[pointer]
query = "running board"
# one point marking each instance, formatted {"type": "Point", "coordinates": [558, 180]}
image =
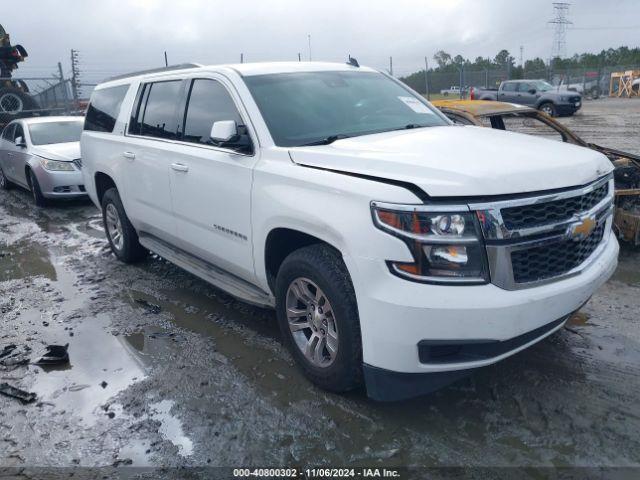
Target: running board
{"type": "Point", "coordinates": [208, 272]}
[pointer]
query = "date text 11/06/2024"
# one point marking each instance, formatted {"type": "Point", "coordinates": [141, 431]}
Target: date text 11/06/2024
{"type": "Point", "coordinates": [316, 473]}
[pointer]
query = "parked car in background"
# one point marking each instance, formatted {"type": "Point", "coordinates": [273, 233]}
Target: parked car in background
{"type": "Point", "coordinates": [43, 155]}
{"type": "Point", "coordinates": [534, 93]}
{"type": "Point", "coordinates": [517, 118]}
{"type": "Point", "coordinates": [453, 90]}
{"type": "Point", "coordinates": [399, 251]}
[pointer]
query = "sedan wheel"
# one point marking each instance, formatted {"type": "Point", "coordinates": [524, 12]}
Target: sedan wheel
{"type": "Point", "coordinates": [312, 322]}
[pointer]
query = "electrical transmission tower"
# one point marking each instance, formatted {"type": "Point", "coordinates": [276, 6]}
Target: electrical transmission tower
{"type": "Point", "coordinates": [561, 24]}
{"type": "Point", "coordinates": [75, 74]}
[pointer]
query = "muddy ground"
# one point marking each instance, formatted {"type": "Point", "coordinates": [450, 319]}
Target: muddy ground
{"type": "Point", "coordinates": [167, 371]}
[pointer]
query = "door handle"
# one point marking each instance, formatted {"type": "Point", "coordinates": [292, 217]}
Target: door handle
{"type": "Point", "coordinates": [179, 167]}
{"type": "Point", "coordinates": [129, 155]}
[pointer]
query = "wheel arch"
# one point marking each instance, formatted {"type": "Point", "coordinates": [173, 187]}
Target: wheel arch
{"type": "Point", "coordinates": [103, 182]}
{"type": "Point", "coordinates": [281, 242]}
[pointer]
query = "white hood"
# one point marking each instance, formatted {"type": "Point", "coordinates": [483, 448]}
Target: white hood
{"type": "Point", "coordinates": [58, 151]}
{"type": "Point", "coordinates": [461, 161]}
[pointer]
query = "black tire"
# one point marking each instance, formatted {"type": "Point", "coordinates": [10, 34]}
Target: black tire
{"type": "Point", "coordinates": [324, 266]}
{"type": "Point", "coordinates": [36, 192]}
{"type": "Point", "coordinates": [14, 103]}
{"type": "Point", "coordinates": [548, 108]}
{"type": "Point", "coordinates": [131, 251]}
{"type": "Point", "coordinates": [5, 184]}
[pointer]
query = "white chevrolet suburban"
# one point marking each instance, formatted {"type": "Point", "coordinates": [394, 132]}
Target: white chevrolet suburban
{"type": "Point", "coordinates": [400, 251]}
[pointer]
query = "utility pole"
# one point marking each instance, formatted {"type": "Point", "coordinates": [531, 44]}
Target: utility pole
{"type": "Point", "coordinates": [309, 40]}
{"type": "Point", "coordinates": [391, 66]}
{"type": "Point", "coordinates": [242, 58]}
{"type": "Point", "coordinates": [299, 57]}
{"type": "Point", "coordinates": [522, 56]}
{"type": "Point", "coordinates": [560, 23]}
{"type": "Point", "coordinates": [166, 59]}
{"type": "Point", "coordinates": [426, 77]}
{"type": "Point", "coordinates": [75, 75]}
{"type": "Point", "coordinates": [64, 89]}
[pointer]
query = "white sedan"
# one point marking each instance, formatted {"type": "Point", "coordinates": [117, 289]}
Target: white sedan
{"type": "Point", "coordinates": [43, 155]}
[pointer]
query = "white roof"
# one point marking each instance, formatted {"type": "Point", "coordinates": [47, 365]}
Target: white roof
{"type": "Point", "coordinates": [244, 69]}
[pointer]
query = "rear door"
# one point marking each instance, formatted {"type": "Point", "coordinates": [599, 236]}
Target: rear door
{"type": "Point", "coordinates": [149, 152]}
{"type": "Point", "coordinates": [211, 183]}
{"type": "Point", "coordinates": [508, 92]}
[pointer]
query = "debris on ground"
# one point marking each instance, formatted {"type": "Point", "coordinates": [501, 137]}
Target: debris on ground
{"type": "Point", "coordinates": [15, 392]}
{"type": "Point", "coordinates": [148, 306]}
{"type": "Point", "coordinates": [54, 355]}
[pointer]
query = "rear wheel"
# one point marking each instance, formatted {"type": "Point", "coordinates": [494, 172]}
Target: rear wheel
{"type": "Point", "coordinates": [318, 316]}
{"type": "Point", "coordinates": [121, 235]}
{"type": "Point", "coordinates": [36, 192]}
{"type": "Point", "coordinates": [5, 184]}
{"type": "Point", "coordinates": [548, 108]}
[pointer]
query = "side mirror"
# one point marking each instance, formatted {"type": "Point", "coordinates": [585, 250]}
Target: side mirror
{"type": "Point", "coordinates": [224, 131]}
{"type": "Point", "coordinates": [19, 141]}
{"type": "Point", "coordinates": [532, 91]}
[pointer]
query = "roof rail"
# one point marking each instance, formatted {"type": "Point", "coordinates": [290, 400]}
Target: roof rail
{"type": "Point", "coordinates": [181, 66]}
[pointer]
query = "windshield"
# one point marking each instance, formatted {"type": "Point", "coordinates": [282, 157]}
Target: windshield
{"type": "Point", "coordinates": [543, 86]}
{"type": "Point", "coordinates": [319, 107]}
{"type": "Point", "coordinates": [55, 132]}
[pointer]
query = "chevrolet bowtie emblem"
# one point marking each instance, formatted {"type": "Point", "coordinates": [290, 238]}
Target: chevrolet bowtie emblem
{"type": "Point", "coordinates": [583, 228]}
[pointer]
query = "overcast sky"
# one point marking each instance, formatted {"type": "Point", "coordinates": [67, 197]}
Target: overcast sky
{"type": "Point", "coordinates": [115, 36]}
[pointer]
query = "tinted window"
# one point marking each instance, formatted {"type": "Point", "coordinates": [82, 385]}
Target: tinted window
{"type": "Point", "coordinates": [209, 102]}
{"type": "Point", "coordinates": [19, 132]}
{"type": "Point", "coordinates": [159, 117]}
{"type": "Point", "coordinates": [7, 133]}
{"type": "Point", "coordinates": [509, 87]}
{"type": "Point", "coordinates": [525, 87]}
{"type": "Point", "coordinates": [55, 132]}
{"type": "Point", "coordinates": [308, 108]}
{"type": "Point", "coordinates": [104, 108]}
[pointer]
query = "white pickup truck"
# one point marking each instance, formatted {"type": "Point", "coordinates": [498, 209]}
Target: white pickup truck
{"type": "Point", "coordinates": [399, 251]}
{"type": "Point", "coordinates": [452, 90]}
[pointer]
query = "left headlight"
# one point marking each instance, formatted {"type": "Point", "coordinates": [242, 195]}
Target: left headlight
{"type": "Point", "coordinates": [446, 244]}
{"type": "Point", "coordinates": [56, 166]}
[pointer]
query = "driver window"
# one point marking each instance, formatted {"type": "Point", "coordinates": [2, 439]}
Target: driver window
{"type": "Point", "coordinates": [525, 87]}
{"type": "Point", "coordinates": [530, 126]}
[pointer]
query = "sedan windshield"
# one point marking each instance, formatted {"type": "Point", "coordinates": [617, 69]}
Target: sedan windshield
{"type": "Point", "coordinates": [47, 133]}
{"type": "Point", "coordinates": [314, 108]}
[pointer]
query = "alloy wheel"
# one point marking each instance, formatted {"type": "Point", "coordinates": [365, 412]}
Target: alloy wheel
{"type": "Point", "coordinates": [312, 322]}
{"type": "Point", "coordinates": [114, 226]}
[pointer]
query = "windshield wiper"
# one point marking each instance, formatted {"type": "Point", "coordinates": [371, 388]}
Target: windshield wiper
{"type": "Point", "coordinates": [327, 140]}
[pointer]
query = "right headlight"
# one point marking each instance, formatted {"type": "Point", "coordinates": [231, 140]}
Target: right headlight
{"type": "Point", "coordinates": [446, 243]}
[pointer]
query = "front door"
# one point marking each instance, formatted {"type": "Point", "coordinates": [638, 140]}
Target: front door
{"type": "Point", "coordinates": [525, 97]}
{"type": "Point", "coordinates": [211, 183]}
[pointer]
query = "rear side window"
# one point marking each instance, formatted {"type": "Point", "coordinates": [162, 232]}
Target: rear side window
{"type": "Point", "coordinates": [209, 102]}
{"type": "Point", "coordinates": [509, 87]}
{"type": "Point", "coordinates": [104, 108]}
{"type": "Point", "coordinates": [155, 114]}
{"type": "Point", "coordinates": [7, 133]}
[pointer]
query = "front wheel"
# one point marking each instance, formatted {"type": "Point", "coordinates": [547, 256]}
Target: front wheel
{"type": "Point", "coordinates": [5, 184]}
{"type": "Point", "coordinates": [549, 109]}
{"type": "Point", "coordinates": [36, 192]}
{"type": "Point", "coordinates": [318, 316]}
{"type": "Point", "coordinates": [121, 235]}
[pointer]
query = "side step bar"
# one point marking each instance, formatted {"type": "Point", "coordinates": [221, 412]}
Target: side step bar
{"type": "Point", "coordinates": [216, 276]}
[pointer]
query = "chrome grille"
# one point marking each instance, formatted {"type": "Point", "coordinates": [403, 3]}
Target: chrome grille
{"type": "Point", "coordinates": [527, 216]}
{"type": "Point", "coordinates": [543, 238]}
{"type": "Point", "coordinates": [78, 163]}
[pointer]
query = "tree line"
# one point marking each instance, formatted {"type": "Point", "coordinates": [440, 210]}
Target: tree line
{"type": "Point", "coordinates": [505, 62]}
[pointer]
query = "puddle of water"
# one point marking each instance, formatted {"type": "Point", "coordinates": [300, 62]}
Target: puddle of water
{"type": "Point", "coordinates": [25, 259]}
{"type": "Point", "coordinates": [171, 427]}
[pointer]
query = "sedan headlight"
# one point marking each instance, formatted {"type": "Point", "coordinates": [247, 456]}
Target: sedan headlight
{"type": "Point", "coordinates": [56, 166]}
{"type": "Point", "coordinates": [447, 246]}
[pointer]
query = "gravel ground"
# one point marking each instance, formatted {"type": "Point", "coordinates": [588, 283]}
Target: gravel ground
{"type": "Point", "coordinates": [167, 371]}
